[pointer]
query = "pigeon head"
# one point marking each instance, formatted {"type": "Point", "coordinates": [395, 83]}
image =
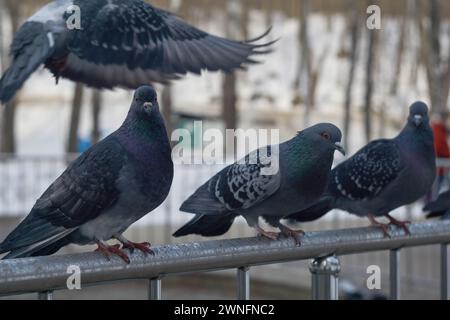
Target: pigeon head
{"type": "Point", "coordinates": [325, 134]}
{"type": "Point", "coordinates": [145, 100]}
{"type": "Point", "coordinates": [418, 114]}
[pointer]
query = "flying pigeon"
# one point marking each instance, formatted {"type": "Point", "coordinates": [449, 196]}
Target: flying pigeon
{"type": "Point", "coordinates": [118, 43]}
{"type": "Point", "coordinates": [246, 189]}
{"type": "Point", "coordinates": [108, 188]}
{"type": "Point", "coordinates": [383, 176]}
{"type": "Point", "coordinates": [440, 207]}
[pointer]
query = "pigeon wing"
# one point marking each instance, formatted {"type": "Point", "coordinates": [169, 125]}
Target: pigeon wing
{"type": "Point", "coordinates": [127, 43]}
{"type": "Point", "coordinates": [245, 184]}
{"type": "Point", "coordinates": [237, 187]}
{"type": "Point", "coordinates": [85, 190]}
{"type": "Point", "coordinates": [367, 173]}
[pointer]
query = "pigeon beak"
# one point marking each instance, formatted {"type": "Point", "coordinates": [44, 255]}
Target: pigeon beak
{"type": "Point", "coordinates": [148, 105]}
{"type": "Point", "coordinates": [418, 120]}
{"type": "Point", "coordinates": [338, 146]}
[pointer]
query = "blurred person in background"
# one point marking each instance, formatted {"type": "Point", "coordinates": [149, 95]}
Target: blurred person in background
{"type": "Point", "coordinates": [440, 131]}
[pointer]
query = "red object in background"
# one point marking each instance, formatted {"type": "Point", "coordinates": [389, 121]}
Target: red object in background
{"type": "Point", "coordinates": [440, 143]}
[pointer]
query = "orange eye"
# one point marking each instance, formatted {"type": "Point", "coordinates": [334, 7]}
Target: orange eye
{"type": "Point", "coordinates": [326, 135]}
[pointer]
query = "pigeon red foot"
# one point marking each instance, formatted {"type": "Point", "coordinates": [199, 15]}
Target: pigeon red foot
{"type": "Point", "coordinates": [400, 224]}
{"type": "Point", "coordinates": [144, 247]}
{"type": "Point", "coordinates": [108, 251]}
{"type": "Point", "coordinates": [382, 226]}
{"type": "Point", "coordinates": [294, 234]}
{"type": "Point", "coordinates": [267, 234]}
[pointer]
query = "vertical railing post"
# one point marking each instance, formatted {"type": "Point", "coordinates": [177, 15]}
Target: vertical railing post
{"type": "Point", "coordinates": [325, 278]}
{"type": "Point", "coordinates": [445, 264]}
{"type": "Point", "coordinates": [243, 283]}
{"type": "Point", "coordinates": [45, 295]}
{"type": "Point", "coordinates": [155, 289]}
{"type": "Point", "coordinates": [394, 274]}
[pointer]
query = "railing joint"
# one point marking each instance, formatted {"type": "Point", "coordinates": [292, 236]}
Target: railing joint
{"type": "Point", "coordinates": [445, 277]}
{"type": "Point", "coordinates": [45, 295]}
{"type": "Point", "coordinates": [243, 283]}
{"type": "Point", "coordinates": [394, 273]}
{"type": "Point", "coordinates": [155, 291]}
{"type": "Point", "coordinates": [325, 278]}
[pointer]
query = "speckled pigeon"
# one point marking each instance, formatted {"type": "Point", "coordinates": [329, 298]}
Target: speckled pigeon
{"type": "Point", "coordinates": [383, 176]}
{"type": "Point", "coordinates": [118, 43]}
{"type": "Point", "coordinates": [440, 207]}
{"type": "Point", "coordinates": [104, 191]}
{"type": "Point", "coordinates": [245, 189]}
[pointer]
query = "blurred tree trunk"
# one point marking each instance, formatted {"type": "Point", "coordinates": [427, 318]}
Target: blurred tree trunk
{"type": "Point", "coordinates": [438, 69]}
{"type": "Point", "coordinates": [3, 48]}
{"type": "Point", "coordinates": [7, 137]}
{"type": "Point", "coordinates": [167, 108]}
{"type": "Point", "coordinates": [399, 56]}
{"type": "Point", "coordinates": [416, 39]}
{"type": "Point", "coordinates": [229, 94]}
{"type": "Point", "coordinates": [315, 75]}
{"type": "Point", "coordinates": [303, 79]}
{"type": "Point", "coordinates": [178, 7]}
{"type": "Point", "coordinates": [370, 66]}
{"type": "Point", "coordinates": [96, 111]}
{"type": "Point", "coordinates": [72, 144]}
{"type": "Point", "coordinates": [354, 34]}
{"type": "Point", "coordinates": [382, 120]}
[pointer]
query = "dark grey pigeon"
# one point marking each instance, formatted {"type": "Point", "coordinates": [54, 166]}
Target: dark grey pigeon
{"type": "Point", "coordinates": [245, 189]}
{"type": "Point", "coordinates": [108, 188]}
{"type": "Point", "coordinates": [440, 207]}
{"type": "Point", "coordinates": [119, 43]}
{"type": "Point", "coordinates": [383, 176]}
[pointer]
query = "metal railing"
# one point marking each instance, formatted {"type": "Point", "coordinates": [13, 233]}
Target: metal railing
{"type": "Point", "coordinates": [46, 274]}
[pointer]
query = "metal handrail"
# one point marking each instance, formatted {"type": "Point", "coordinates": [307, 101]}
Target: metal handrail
{"type": "Point", "coordinates": [45, 274]}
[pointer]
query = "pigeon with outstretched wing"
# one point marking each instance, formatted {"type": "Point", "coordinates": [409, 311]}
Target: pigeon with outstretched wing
{"type": "Point", "coordinates": [118, 43]}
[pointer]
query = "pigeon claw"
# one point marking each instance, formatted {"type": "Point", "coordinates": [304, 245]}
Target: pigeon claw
{"type": "Point", "coordinates": [294, 234]}
{"type": "Point", "coordinates": [385, 229]}
{"type": "Point", "coordinates": [382, 226]}
{"type": "Point", "coordinates": [144, 247]}
{"type": "Point", "coordinates": [108, 251]}
{"type": "Point", "coordinates": [267, 234]}
{"type": "Point", "coordinates": [400, 224]}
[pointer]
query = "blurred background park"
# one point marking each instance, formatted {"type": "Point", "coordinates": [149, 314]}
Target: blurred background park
{"type": "Point", "coordinates": [326, 67]}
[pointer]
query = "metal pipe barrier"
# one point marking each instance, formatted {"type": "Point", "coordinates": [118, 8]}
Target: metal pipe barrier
{"type": "Point", "coordinates": [46, 274]}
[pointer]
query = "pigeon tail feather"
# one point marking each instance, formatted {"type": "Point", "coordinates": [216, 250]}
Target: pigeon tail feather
{"type": "Point", "coordinates": [439, 207]}
{"type": "Point", "coordinates": [32, 231]}
{"type": "Point", "coordinates": [201, 202]}
{"type": "Point", "coordinates": [437, 214]}
{"type": "Point", "coordinates": [45, 247]}
{"type": "Point", "coordinates": [314, 212]}
{"type": "Point", "coordinates": [207, 226]}
{"type": "Point", "coordinates": [31, 48]}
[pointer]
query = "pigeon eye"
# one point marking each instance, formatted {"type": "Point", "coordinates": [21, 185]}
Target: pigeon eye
{"type": "Point", "coordinates": [326, 135]}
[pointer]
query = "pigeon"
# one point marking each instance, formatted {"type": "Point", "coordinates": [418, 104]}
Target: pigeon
{"type": "Point", "coordinates": [440, 207]}
{"type": "Point", "coordinates": [104, 191]}
{"type": "Point", "coordinates": [118, 43]}
{"type": "Point", "coordinates": [382, 176]}
{"type": "Point", "coordinates": [246, 188]}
